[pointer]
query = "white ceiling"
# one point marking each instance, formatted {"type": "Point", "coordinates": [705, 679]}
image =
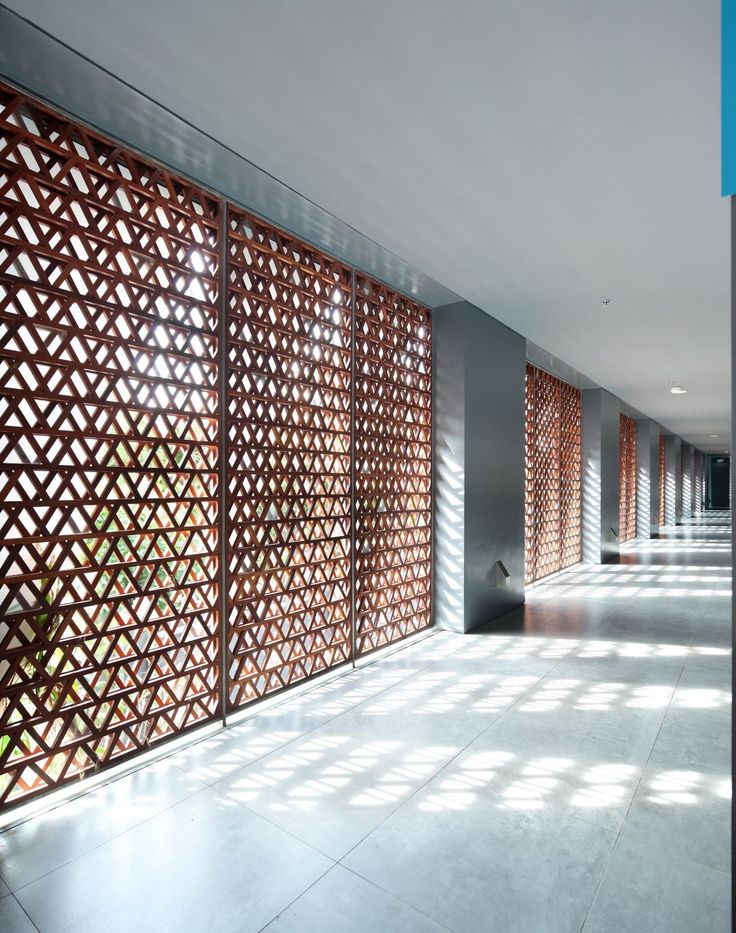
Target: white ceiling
{"type": "Point", "coordinates": [533, 156]}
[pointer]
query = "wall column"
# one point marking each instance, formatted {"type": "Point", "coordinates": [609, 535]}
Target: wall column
{"type": "Point", "coordinates": [479, 377]}
{"type": "Point", "coordinates": [688, 480]}
{"type": "Point", "coordinates": [672, 485]}
{"type": "Point", "coordinates": [647, 478]}
{"type": "Point", "coordinates": [600, 475]}
{"type": "Point", "coordinates": [698, 480]}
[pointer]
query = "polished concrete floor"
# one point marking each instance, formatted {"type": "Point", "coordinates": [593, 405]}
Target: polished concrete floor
{"type": "Point", "coordinates": [570, 771]}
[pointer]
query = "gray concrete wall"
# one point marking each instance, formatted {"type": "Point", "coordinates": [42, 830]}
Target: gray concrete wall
{"type": "Point", "coordinates": [672, 487]}
{"type": "Point", "coordinates": [600, 442]}
{"type": "Point", "coordinates": [449, 469]}
{"type": "Point", "coordinates": [647, 478]}
{"type": "Point", "coordinates": [678, 479]}
{"type": "Point", "coordinates": [479, 467]}
{"type": "Point", "coordinates": [698, 477]}
{"type": "Point", "coordinates": [687, 479]}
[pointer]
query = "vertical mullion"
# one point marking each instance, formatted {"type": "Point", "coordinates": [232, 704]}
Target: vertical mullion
{"type": "Point", "coordinates": [223, 436]}
{"type": "Point", "coordinates": [353, 458]}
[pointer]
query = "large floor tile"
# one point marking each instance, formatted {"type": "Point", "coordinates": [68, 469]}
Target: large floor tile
{"type": "Point", "coordinates": [553, 779]}
{"type": "Point", "coordinates": [206, 864]}
{"type": "Point", "coordinates": [604, 660]}
{"type": "Point", "coordinates": [342, 902]}
{"type": "Point", "coordinates": [691, 742]}
{"type": "Point", "coordinates": [482, 865]}
{"type": "Point", "coordinates": [589, 725]}
{"type": "Point", "coordinates": [275, 727]}
{"type": "Point", "coordinates": [13, 918]}
{"type": "Point", "coordinates": [48, 841]}
{"type": "Point", "coordinates": [228, 751]}
{"type": "Point", "coordinates": [335, 785]}
{"type": "Point", "coordinates": [709, 665]}
{"type": "Point", "coordinates": [686, 811]}
{"type": "Point", "coordinates": [652, 889]}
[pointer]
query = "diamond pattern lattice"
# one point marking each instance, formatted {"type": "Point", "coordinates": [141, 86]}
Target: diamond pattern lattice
{"type": "Point", "coordinates": [529, 475]}
{"type": "Point", "coordinates": [570, 477]}
{"type": "Point", "coordinates": [109, 459]}
{"type": "Point", "coordinates": [108, 456]}
{"type": "Point", "coordinates": [288, 457]}
{"type": "Point", "coordinates": [552, 475]}
{"type": "Point", "coordinates": [393, 465]}
{"type": "Point", "coordinates": [627, 479]}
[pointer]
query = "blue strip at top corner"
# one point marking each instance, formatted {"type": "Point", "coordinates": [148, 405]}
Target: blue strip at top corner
{"type": "Point", "coordinates": [728, 97]}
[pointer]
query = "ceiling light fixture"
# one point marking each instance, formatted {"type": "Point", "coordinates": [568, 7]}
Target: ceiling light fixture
{"type": "Point", "coordinates": [712, 435]}
{"type": "Point", "coordinates": [606, 302]}
{"type": "Point", "coordinates": [677, 389]}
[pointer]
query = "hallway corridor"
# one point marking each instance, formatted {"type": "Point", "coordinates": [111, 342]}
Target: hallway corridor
{"type": "Point", "coordinates": [567, 771]}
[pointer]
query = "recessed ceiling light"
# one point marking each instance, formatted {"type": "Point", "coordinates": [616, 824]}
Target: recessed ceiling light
{"type": "Point", "coordinates": [677, 389]}
{"type": "Point", "coordinates": [712, 435]}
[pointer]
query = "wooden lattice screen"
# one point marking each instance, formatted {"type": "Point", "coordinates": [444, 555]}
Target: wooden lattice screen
{"type": "Point", "coordinates": [108, 455]}
{"type": "Point", "coordinates": [552, 475]}
{"type": "Point", "coordinates": [662, 479]}
{"type": "Point", "coordinates": [393, 465]}
{"type": "Point", "coordinates": [288, 455]}
{"type": "Point", "coordinates": [627, 479]}
{"type": "Point", "coordinates": [119, 421]}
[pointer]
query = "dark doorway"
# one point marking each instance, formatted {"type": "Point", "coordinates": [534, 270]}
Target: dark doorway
{"type": "Point", "coordinates": [718, 482]}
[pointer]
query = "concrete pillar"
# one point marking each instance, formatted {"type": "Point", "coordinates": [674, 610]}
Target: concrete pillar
{"type": "Point", "coordinates": [687, 479]}
{"type": "Point", "coordinates": [683, 486]}
{"type": "Point", "coordinates": [600, 440]}
{"type": "Point", "coordinates": [647, 478]}
{"type": "Point", "coordinates": [479, 406]}
{"type": "Point", "coordinates": [672, 486]}
{"type": "Point", "coordinates": [699, 481]}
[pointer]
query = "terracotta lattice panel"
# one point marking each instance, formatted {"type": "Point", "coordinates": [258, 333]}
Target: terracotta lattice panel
{"type": "Point", "coordinates": [530, 553]}
{"type": "Point", "coordinates": [289, 460]}
{"type": "Point", "coordinates": [661, 479]}
{"type": "Point", "coordinates": [108, 455]}
{"type": "Point", "coordinates": [570, 476]}
{"type": "Point", "coordinates": [552, 475]}
{"type": "Point", "coordinates": [112, 452]}
{"type": "Point", "coordinates": [393, 465]}
{"type": "Point", "coordinates": [627, 479]}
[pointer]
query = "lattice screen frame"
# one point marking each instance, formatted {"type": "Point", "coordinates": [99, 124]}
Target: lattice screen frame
{"type": "Point", "coordinates": [627, 479]}
{"type": "Point", "coordinates": [188, 266]}
{"type": "Point", "coordinates": [552, 474]}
